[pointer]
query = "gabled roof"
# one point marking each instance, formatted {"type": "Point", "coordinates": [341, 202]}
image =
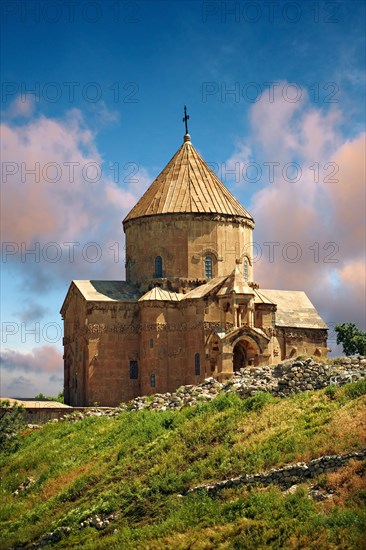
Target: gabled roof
{"type": "Point", "coordinates": [260, 298]}
{"type": "Point", "coordinates": [187, 185]}
{"type": "Point", "coordinates": [108, 291]}
{"type": "Point", "coordinates": [235, 283]}
{"type": "Point", "coordinates": [202, 290]}
{"type": "Point", "coordinates": [158, 294]}
{"type": "Point", "coordinates": [294, 309]}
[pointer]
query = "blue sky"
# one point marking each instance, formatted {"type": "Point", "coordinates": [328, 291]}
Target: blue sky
{"type": "Point", "coordinates": [110, 81]}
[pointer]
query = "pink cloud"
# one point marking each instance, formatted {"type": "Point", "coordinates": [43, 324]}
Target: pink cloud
{"type": "Point", "coordinates": [45, 207]}
{"type": "Point", "coordinates": [44, 359]}
{"type": "Point", "coordinates": [354, 274]}
{"type": "Point", "coordinates": [25, 374]}
{"type": "Point", "coordinates": [62, 203]}
{"type": "Point", "coordinates": [21, 107]}
{"type": "Point", "coordinates": [348, 197]}
{"type": "Point", "coordinates": [283, 128]}
{"type": "Point", "coordinates": [325, 219]}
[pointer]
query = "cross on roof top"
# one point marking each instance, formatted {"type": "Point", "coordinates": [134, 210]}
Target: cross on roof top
{"type": "Point", "coordinates": [185, 118]}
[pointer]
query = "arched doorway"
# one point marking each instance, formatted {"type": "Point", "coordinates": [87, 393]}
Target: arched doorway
{"type": "Point", "coordinates": [245, 354]}
{"type": "Point", "coordinates": [239, 357]}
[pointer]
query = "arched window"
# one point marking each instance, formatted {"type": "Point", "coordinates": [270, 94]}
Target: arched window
{"type": "Point", "coordinates": [152, 380]}
{"type": "Point", "coordinates": [134, 372]}
{"type": "Point", "coordinates": [158, 267]}
{"type": "Point", "coordinates": [197, 364]}
{"type": "Point", "coordinates": [208, 267]}
{"type": "Point", "coordinates": [246, 269]}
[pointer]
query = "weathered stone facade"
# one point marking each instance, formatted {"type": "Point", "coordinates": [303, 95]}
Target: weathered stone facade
{"type": "Point", "coordinates": [189, 308]}
{"type": "Point", "coordinates": [191, 239]}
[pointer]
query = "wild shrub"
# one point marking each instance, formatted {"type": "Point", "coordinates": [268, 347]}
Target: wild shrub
{"type": "Point", "coordinates": [356, 389]}
{"type": "Point", "coordinates": [225, 401]}
{"type": "Point", "coordinates": [12, 420]}
{"type": "Point", "coordinates": [331, 391]}
{"type": "Point", "coordinates": [257, 402]}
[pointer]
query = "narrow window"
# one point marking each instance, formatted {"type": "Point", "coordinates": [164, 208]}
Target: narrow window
{"type": "Point", "coordinates": [197, 364]}
{"type": "Point", "coordinates": [151, 343]}
{"type": "Point", "coordinates": [134, 371]}
{"type": "Point", "coordinates": [152, 380]}
{"type": "Point", "coordinates": [246, 269]}
{"type": "Point", "coordinates": [158, 267]}
{"type": "Point", "coordinates": [208, 267]}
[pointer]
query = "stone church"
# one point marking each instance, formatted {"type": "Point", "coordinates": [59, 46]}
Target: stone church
{"type": "Point", "coordinates": [189, 307]}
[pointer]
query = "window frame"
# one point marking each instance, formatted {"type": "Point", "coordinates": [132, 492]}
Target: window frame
{"type": "Point", "coordinates": [246, 269]}
{"type": "Point", "coordinates": [208, 267]}
{"type": "Point", "coordinates": [158, 267]}
{"type": "Point", "coordinates": [134, 369]}
{"type": "Point", "coordinates": [197, 364]}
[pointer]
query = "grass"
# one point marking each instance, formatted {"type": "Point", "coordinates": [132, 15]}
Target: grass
{"type": "Point", "coordinates": [141, 463]}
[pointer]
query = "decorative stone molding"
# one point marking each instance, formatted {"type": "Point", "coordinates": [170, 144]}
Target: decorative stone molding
{"type": "Point", "coordinates": [100, 328]}
{"type": "Point", "coordinates": [304, 334]}
{"type": "Point", "coordinates": [143, 220]}
{"type": "Point", "coordinates": [211, 251]}
{"type": "Point", "coordinates": [174, 353]}
{"type": "Point", "coordinates": [243, 256]}
{"type": "Point", "coordinates": [270, 331]}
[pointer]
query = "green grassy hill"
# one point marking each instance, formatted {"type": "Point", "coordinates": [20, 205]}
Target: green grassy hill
{"type": "Point", "coordinates": [140, 465]}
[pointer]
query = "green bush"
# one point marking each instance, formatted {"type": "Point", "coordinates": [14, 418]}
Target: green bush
{"type": "Point", "coordinates": [355, 389]}
{"type": "Point", "coordinates": [331, 391]}
{"type": "Point", "coordinates": [352, 339]}
{"type": "Point", "coordinates": [257, 402]}
{"type": "Point", "coordinates": [225, 401]}
{"type": "Point", "coordinates": [12, 420]}
{"type": "Point", "coordinates": [59, 398]}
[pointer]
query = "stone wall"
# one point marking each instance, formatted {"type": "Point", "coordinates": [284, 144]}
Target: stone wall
{"type": "Point", "coordinates": [288, 475]}
{"type": "Point", "coordinates": [101, 338]}
{"type": "Point", "coordinates": [183, 242]}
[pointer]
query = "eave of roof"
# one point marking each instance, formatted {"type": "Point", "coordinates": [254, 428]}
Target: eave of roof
{"type": "Point", "coordinates": [203, 290]}
{"type": "Point", "coordinates": [235, 283]}
{"type": "Point", "coordinates": [294, 309]}
{"type": "Point", "coordinates": [157, 294]}
{"type": "Point", "coordinates": [104, 291]}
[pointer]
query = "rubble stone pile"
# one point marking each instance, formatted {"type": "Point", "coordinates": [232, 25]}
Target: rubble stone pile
{"type": "Point", "coordinates": [285, 379]}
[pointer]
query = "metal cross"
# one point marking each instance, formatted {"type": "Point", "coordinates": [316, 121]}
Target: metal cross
{"type": "Point", "coordinates": [185, 118]}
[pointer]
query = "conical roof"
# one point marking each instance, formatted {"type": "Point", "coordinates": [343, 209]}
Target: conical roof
{"type": "Point", "coordinates": [187, 185]}
{"type": "Point", "coordinates": [235, 283]}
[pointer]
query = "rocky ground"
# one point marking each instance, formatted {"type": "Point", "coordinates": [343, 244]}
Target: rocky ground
{"type": "Point", "coordinates": [286, 378]}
